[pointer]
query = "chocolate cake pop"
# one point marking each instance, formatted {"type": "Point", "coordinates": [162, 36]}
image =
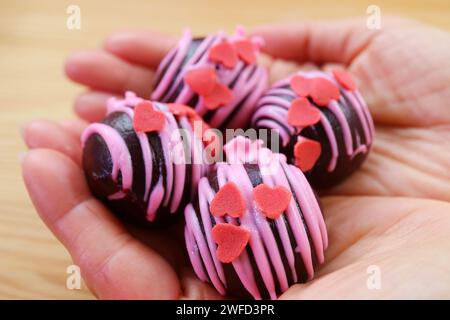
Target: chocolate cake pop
{"type": "Point", "coordinates": [217, 75]}
{"type": "Point", "coordinates": [144, 159]}
{"type": "Point", "coordinates": [256, 227]}
{"type": "Point", "coordinates": [323, 123]}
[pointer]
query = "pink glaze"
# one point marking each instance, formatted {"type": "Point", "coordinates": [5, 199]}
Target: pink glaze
{"type": "Point", "coordinates": [248, 87]}
{"type": "Point", "coordinates": [158, 195]}
{"type": "Point", "coordinates": [272, 110]}
{"type": "Point", "coordinates": [143, 140]}
{"type": "Point", "coordinates": [120, 156]}
{"type": "Point", "coordinates": [202, 249]}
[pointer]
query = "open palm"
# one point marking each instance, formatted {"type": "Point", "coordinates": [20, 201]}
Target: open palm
{"type": "Point", "coordinates": [392, 215]}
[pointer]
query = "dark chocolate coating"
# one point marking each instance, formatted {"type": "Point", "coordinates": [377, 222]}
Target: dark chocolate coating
{"type": "Point", "coordinates": [165, 97]}
{"type": "Point", "coordinates": [97, 165]}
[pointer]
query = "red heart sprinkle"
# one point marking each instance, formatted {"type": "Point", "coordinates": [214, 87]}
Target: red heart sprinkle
{"type": "Point", "coordinates": [228, 200]}
{"type": "Point", "coordinates": [201, 80]}
{"type": "Point", "coordinates": [246, 50]}
{"type": "Point", "coordinates": [272, 201]}
{"type": "Point", "coordinates": [223, 53]}
{"type": "Point", "coordinates": [147, 119]}
{"type": "Point", "coordinates": [181, 110]}
{"type": "Point", "coordinates": [302, 114]}
{"type": "Point", "coordinates": [345, 79]}
{"type": "Point", "coordinates": [231, 241]}
{"type": "Point", "coordinates": [306, 153]}
{"type": "Point", "coordinates": [219, 96]}
{"type": "Point", "coordinates": [301, 85]}
{"type": "Point", "coordinates": [322, 91]}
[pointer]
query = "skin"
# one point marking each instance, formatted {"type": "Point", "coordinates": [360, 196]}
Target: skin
{"type": "Point", "coordinates": [394, 213]}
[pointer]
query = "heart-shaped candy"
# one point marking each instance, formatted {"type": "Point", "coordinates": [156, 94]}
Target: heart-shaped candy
{"type": "Point", "coordinates": [246, 50]}
{"type": "Point", "coordinates": [201, 80]}
{"type": "Point", "coordinates": [147, 119]}
{"type": "Point", "coordinates": [302, 114]}
{"type": "Point", "coordinates": [219, 96]}
{"type": "Point", "coordinates": [344, 79]}
{"type": "Point", "coordinates": [181, 110]}
{"type": "Point", "coordinates": [306, 153]}
{"type": "Point", "coordinates": [322, 91]}
{"type": "Point", "coordinates": [228, 200]}
{"type": "Point", "coordinates": [231, 241]}
{"type": "Point", "coordinates": [301, 85]}
{"type": "Point", "coordinates": [271, 201]}
{"type": "Point", "coordinates": [223, 53]}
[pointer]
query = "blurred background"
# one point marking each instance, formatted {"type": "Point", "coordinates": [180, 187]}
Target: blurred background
{"type": "Point", "coordinates": [34, 40]}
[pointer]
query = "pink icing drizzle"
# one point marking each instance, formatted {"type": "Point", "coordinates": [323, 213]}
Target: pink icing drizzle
{"type": "Point", "coordinates": [262, 242]}
{"type": "Point", "coordinates": [121, 158]}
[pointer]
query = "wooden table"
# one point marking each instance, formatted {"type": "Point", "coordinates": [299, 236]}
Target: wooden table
{"type": "Point", "coordinates": [33, 43]}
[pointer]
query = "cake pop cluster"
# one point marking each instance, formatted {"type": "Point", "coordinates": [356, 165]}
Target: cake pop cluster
{"type": "Point", "coordinates": [253, 226]}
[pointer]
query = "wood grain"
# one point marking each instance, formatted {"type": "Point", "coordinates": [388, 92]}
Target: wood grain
{"type": "Point", "coordinates": [33, 43]}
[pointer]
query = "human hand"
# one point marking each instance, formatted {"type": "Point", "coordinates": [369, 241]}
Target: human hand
{"type": "Point", "coordinates": [393, 213]}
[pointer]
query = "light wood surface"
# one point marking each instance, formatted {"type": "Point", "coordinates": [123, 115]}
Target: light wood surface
{"type": "Point", "coordinates": [33, 43]}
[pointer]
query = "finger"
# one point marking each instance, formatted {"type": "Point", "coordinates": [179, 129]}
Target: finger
{"type": "Point", "coordinates": [281, 69]}
{"type": "Point", "coordinates": [195, 289]}
{"type": "Point", "coordinates": [113, 263]}
{"type": "Point", "coordinates": [395, 96]}
{"type": "Point", "coordinates": [316, 41]}
{"type": "Point", "coordinates": [74, 127]}
{"type": "Point", "coordinates": [50, 135]}
{"type": "Point", "coordinates": [158, 241]}
{"type": "Point", "coordinates": [91, 105]}
{"type": "Point", "coordinates": [402, 96]}
{"type": "Point", "coordinates": [408, 162]}
{"type": "Point", "coordinates": [103, 71]}
{"type": "Point", "coordinates": [140, 47]}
